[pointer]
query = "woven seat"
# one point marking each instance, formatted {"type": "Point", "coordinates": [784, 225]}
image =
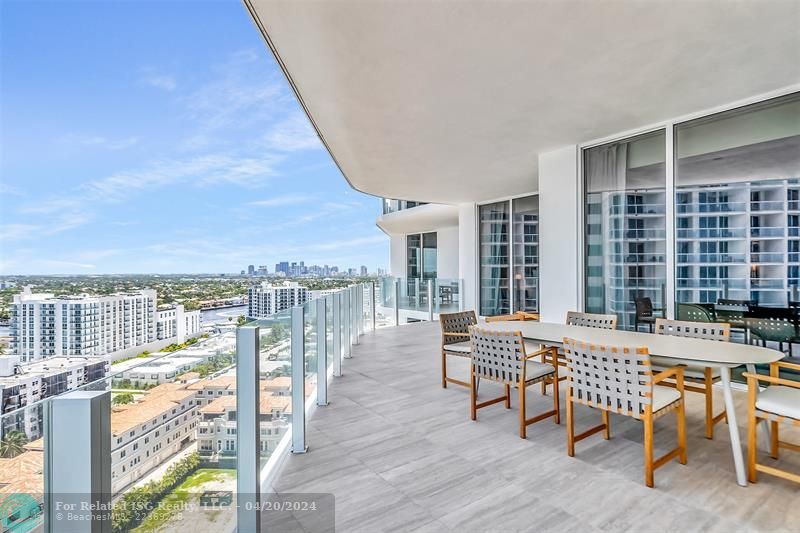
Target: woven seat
{"type": "Point", "coordinates": [701, 380]}
{"type": "Point", "coordinates": [501, 356]}
{"type": "Point", "coordinates": [620, 380]}
{"type": "Point", "coordinates": [778, 403]}
{"type": "Point", "coordinates": [455, 340]}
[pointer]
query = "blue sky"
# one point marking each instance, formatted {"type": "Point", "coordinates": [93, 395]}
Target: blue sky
{"type": "Point", "coordinates": [155, 136]}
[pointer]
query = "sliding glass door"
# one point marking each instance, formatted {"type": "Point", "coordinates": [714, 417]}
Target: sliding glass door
{"type": "Point", "coordinates": [625, 233]}
{"type": "Point", "coordinates": [737, 184]}
{"type": "Point", "coordinates": [509, 256]}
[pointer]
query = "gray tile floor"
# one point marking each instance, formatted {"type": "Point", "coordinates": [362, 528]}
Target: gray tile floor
{"type": "Point", "coordinates": [400, 453]}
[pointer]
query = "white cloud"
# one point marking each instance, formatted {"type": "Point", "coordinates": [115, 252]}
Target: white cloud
{"type": "Point", "coordinates": [158, 80]}
{"type": "Point", "coordinates": [101, 141]}
{"type": "Point", "coordinates": [286, 199]}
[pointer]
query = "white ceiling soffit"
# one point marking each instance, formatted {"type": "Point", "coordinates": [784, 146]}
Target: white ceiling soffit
{"type": "Point", "coordinates": [453, 101]}
{"type": "Point", "coordinates": [428, 217]}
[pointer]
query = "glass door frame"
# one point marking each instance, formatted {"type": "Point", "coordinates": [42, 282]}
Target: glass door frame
{"type": "Point", "coordinates": [669, 127]}
{"type": "Point", "coordinates": [510, 201]}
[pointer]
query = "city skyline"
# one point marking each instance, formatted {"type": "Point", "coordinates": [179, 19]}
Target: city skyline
{"type": "Point", "coordinates": [185, 153]}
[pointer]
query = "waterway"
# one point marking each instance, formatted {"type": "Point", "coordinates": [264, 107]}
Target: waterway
{"type": "Point", "coordinates": [217, 316]}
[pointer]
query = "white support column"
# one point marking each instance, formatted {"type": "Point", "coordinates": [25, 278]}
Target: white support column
{"type": "Point", "coordinates": [248, 431]}
{"type": "Point", "coordinates": [348, 320]}
{"type": "Point", "coordinates": [298, 345]}
{"type": "Point", "coordinates": [78, 465]}
{"type": "Point", "coordinates": [337, 334]}
{"type": "Point", "coordinates": [396, 302]}
{"type": "Point", "coordinates": [670, 228]}
{"type": "Point", "coordinates": [322, 353]}
{"type": "Point", "coordinates": [430, 300]}
{"type": "Point", "coordinates": [373, 304]}
{"type": "Point", "coordinates": [559, 235]}
{"type": "Point", "coordinates": [468, 256]}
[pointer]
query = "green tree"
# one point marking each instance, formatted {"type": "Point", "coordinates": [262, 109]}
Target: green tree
{"type": "Point", "coordinates": [123, 398]}
{"type": "Point", "coordinates": [13, 444]}
{"type": "Point", "coordinates": [241, 321]}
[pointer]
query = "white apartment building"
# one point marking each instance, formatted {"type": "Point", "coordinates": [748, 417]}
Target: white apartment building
{"type": "Point", "coordinates": [145, 434]}
{"type": "Point", "coordinates": [24, 384]}
{"type": "Point", "coordinates": [147, 371]}
{"type": "Point", "coordinates": [177, 323]}
{"type": "Point", "coordinates": [265, 299]}
{"type": "Point", "coordinates": [44, 325]}
{"type": "Point", "coordinates": [216, 433]}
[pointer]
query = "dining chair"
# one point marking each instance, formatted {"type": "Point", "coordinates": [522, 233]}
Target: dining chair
{"type": "Point", "coordinates": [644, 313]}
{"type": "Point", "coordinates": [616, 379]}
{"type": "Point", "coordinates": [455, 340]}
{"type": "Point", "coordinates": [778, 403]}
{"type": "Point", "coordinates": [589, 320]}
{"type": "Point", "coordinates": [500, 356]}
{"type": "Point", "coordinates": [519, 316]}
{"type": "Point", "coordinates": [702, 379]}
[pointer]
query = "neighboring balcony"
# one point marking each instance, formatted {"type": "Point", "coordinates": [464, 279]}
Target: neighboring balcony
{"type": "Point", "coordinates": [422, 218]}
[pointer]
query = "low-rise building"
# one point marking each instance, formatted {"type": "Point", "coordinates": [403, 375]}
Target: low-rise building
{"type": "Point", "coordinates": [147, 433]}
{"type": "Point", "coordinates": [177, 323]}
{"type": "Point", "coordinates": [156, 370]}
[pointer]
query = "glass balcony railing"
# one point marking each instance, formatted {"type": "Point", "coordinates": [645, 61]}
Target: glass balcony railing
{"type": "Point", "coordinates": [197, 427]}
{"type": "Point", "coordinates": [767, 283]}
{"type": "Point", "coordinates": [645, 233]}
{"type": "Point", "coordinates": [767, 205]}
{"type": "Point", "coordinates": [767, 232]}
{"type": "Point", "coordinates": [717, 207]}
{"type": "Point", "coordinates": [710, 233]}
{"type": "Point", "coordinates": [766, 257]}
{"type": "Point", "coordinates": [711, 258]}
{"type": "Point", "coordinates": [392, 206]}
{"type": "Point", "coordinates": [695, 283]}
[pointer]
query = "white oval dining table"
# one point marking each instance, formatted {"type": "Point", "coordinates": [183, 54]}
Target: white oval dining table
{"type": "Point", "coordinates": [678, 350]}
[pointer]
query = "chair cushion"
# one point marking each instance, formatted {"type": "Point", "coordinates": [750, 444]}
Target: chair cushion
{"type": "Point", "coordinates": [780, 400]}
{"type": "Point", "coordinates": [535, 370]}
{"type": "Point", "coordinates": [664, 396]}
{"type": "Point", "coordinates": [694, 372]}
{"type": "Point", "coordinates": [459, 348]}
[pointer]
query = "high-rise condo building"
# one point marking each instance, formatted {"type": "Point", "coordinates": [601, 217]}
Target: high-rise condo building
{"type": "Point", "coordinates": [266, 299]}
{"type": "Point", "coordinates": [43, 325]}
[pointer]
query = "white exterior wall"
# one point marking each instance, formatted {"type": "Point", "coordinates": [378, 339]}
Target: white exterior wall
{"type": "Point", "coordinates": [447, 253]}
{"type": "Point", "coordinates": [397, 256]}
{"type": "Point", "coordinates": [559, 236]}
{"type": "Point", "coordinates": [468, 254]}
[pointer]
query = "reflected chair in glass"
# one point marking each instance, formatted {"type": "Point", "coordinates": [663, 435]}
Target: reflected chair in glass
{"type": "Point", "coordinates": [501, 356]}
{"type": "Point", "coordinates": [644, 313]}
{"type": "Point", "coordinates": [692, 313]}
{"type": "Point", "coordinates": [701, 379]}
{"type": "Point", "coordinates": [455, 340]}
{"type": "Point", "coordinates": [778, 403]}
{"type": "Point", "coordinates": [616, 379]}
{"type": "Point", "coordinates": [772, 324]}
{"type": "Point", "coordinates": [519, 315]}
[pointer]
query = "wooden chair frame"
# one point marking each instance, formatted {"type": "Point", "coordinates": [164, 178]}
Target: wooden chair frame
{"type": "Point", "coordinates": [651, 464]}
{"type": "Point", "coordinates": [521, 385]}
{"type": "Point", "coordinates": [518, 316]}
{"type": "Point", "coordinates": [700, 385]}
{"type": "Point", "coordinates": [449, 322]}
{"type": "Point", "coordinates": [754, 416]}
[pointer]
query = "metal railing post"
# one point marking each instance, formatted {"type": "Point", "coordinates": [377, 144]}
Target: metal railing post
{"type": "Point", "coordinates": [397, 302]}
{"type": "Point", "coordinates": [355, 314]}
{"type": "Point", "coordinates": [298, 345]}
{"type": "Point", "coordinates": [348, 319]}
{"type": "Point", "coordinates": [322, 353]}
{"type": "Point", "coordinates": [461, 295]}
{"type": "Point", "coordinates": [337, 334]}
{"type": "Point", "coordinates": [373, 303]}
{"type": "Point", "coordinates": [430, 300]}
{"type": "Point", "coordinates": [248, 431]}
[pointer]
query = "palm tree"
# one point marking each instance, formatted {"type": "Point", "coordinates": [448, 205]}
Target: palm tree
{"type": "Point", "coordinates": [13, 444]}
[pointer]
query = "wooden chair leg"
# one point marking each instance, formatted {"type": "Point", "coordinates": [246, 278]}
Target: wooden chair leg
{"type": "Point", "coordinates": [570, 424]}
{"type": "Point", "coordinates": [523, 428]}
{"type": "Point", "coordinates": [508, 396]}
{"type": "Point", "coordinates": [648, 448]}
{"type": "Point", "coordinates": [708, 382]}
{"type": "Point", "coordinates": [773, 437]}
{"type": "Point", "coordinates": [556, 399]}
{"type": "Point", "coordinates": [681, 412]}
{"type": "Point", "coordinates": [607, 424]}
{"type": "Point", "coordinates": [473, 395]}
{"type": "Point", "coordinates": [444, 370]}
{"type": "Point", "coordinates": [752, 430]}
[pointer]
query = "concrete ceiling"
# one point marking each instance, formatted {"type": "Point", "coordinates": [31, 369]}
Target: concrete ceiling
{"type": "Point", "coordinates": [428, 217]}
{"type": "Point", "coordinates": [453, 101]}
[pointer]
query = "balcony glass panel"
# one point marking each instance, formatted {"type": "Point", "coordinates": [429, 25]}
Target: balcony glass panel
{"type": "Point", "coordinates": [625, 225]}
{"type": "Point", "coordinates": [494, 230]}
{"type": "Point", "coordinates": [743, 166]}
{"type": "Point", "coordinates": [525, 235]}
